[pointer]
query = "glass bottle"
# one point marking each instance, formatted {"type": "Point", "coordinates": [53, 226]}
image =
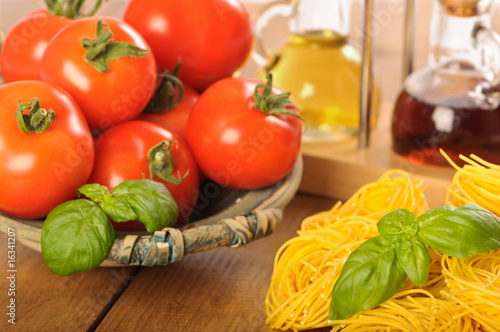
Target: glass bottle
{"type": "Point", "coordinates": [318, 66]}
{"type": "Point", "coordinates": [453, 102]}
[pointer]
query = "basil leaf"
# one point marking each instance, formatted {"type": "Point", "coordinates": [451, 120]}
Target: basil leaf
{"type": "Point", "coordinates": [462, 232]}
{"type": "Point", "coordinates": [95, 192]}
{"type": "Point", "coordinates": [117, 208]}
{"type": "Point", "coordinates": [150, 201]}
{"type": "Point", "coordinates": [398, 226]}
{"type": "Point", "coordinates": [76, 237]}
{"type": "Point", "coordinates": [431, 215]}
{"type": "Point", "coordinates": [414, 258]}
{"type": "Point", "coordinates": [370, 276]}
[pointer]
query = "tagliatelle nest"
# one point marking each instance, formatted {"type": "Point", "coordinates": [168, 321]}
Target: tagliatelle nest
{"type": "Point", "coordinates": [477, 182]}
{"type": "Point", "coordinates": [393, 190]}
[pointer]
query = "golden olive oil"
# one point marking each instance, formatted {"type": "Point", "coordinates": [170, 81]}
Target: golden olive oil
{"type": "Point", "coordinates": [323, 73]}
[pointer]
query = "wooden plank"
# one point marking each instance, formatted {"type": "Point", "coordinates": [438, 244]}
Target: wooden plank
{"type": "Point", "coordinates": [216, 290]}
{"type": "Point", "coordinates": [340, 180]}
{"type": "Point", "coordinates": [46, 302]}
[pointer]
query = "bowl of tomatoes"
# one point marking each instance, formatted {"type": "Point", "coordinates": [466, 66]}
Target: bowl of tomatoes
{"type": "Point", "coordinates": [116, 149]}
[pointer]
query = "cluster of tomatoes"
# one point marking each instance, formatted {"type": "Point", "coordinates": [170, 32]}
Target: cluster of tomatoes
{"type": "Point", "coordinates": [79, 90]}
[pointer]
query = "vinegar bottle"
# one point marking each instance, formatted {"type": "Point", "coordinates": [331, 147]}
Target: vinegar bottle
{"type": "Point", "coordinates": [453, 102]}
{"type": "Point", "coordinates": [319, 67]}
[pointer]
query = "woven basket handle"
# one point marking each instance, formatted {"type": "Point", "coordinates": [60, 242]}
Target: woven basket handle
{"type": "Point", "coordinates": [171, 244]}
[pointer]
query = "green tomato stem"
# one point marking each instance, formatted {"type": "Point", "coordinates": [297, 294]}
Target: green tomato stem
{"type": "Point", "coordinates": [102, 50]}
{"type": "Point", "coordinates": [269, 103]}
{"type": "Point", "coordinates": [70, 8]}
{"type": "Point", "coordinates": [163, 99]}
{"type": "Point", "coordinates": [37, 121]}
{"type": "Point", "coordinates": [161, 163]}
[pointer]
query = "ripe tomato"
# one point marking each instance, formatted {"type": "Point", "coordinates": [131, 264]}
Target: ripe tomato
{"type": "Point", "coordinates": [41, 170]}
{"type": "Point", "coordinates": [174, 119]}
{"type": "Point", "coordinates": [236, 144]}
{"type": "Point", "coordinates": [25, 43]}
{"type": "Point", "coordinates": [213, 38]}
{"type": "Point", "coordinates": [107, 98]}
{"type": "Point", "coordinates": [122, 154]}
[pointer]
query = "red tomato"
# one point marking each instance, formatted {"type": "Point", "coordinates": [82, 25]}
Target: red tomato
{"type": "Point", "coordinates": [237, 145]}
{"type": "Point", "coordinates": [175, 119]}
{"type": "Point", "coordinates": [122, 154]}
{"type": "Point", "coordinates": [213, 38]}
{"type": "Point", "coordinates": [106, 98]}
{"type": "Point", "coordinates": [41, 171]}
{"type": "Point", "coordinates": [25, 43]}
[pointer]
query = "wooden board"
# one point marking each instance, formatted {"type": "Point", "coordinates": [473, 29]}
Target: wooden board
{"type": "Point", "coordinates": [46, 302]}
{"type": "Point", "coordinates": [340, 180]}
{"type": "Point", "coordinates": [217, 290]}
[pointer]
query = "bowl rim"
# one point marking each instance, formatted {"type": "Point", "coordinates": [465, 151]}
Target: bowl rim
{"type": "Point", "coordinates": [277, 195]}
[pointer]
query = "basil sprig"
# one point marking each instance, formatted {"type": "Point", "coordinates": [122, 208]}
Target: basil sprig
{"type": "Point", "coordinates": [377, 269]}
{"type": "Point", "coordinates": [145, 201]}
{"type": "Point", "coordinates": [77, 235]}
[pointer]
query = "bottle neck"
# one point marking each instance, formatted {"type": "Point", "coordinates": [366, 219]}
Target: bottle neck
{"type": "Point", "coordinates": [321, 15]}
{"type": "Point", "coordinates": [451, 35]}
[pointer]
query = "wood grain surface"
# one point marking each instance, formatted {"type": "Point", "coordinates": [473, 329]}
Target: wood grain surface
{"type": "Point", "coordinates": [46, 302]}
{"type": "Point", "coordinates": [218, 290]}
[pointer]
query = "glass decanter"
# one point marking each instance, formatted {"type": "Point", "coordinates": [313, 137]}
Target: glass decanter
{"type": "Point", "coordinates": [318, 65]}
{"type": "Point", "coordinates": [453, 102]}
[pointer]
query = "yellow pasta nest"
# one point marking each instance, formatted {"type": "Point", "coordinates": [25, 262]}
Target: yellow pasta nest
{"type": "Point", "coordinates": [305, 269]}
{"type": "Point", "coordinates": [461, 294]}
{"type": "Point", "coordinates": [477, 182]}
{"type": "Point", "coordinates": [393, 190]}
{"type": "Point", "coordinates": [474, 285]}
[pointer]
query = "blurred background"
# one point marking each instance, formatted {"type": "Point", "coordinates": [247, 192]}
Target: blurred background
{"type": "Point", "coordinates": [388, 22]}
{"type": "Point", "coordinates": [388, 27]}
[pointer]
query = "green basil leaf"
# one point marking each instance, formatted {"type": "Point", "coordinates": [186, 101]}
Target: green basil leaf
{"type": "Point", "coordinates": [398, 226]}
{"type": "Point", "coordinates": [118, 209]}
{"type": "Point", "coordinates": [462, 232]}
{"type": "Point", "coordinates": [429, 216]}
{"type": "Point", "coordinates": [95, 192]}
{"type": "Point", "coordinates": [76, 237]}
{"type": "Point", "coordinates": [414, 258]}
{"type": "Point", "coordinates": [371, 275]}
{"type": "Point", "coordinates": [149, 200]}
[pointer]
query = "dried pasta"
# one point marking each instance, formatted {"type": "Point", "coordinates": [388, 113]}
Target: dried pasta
{"type": "Point", "coordinates": [305, 269]}
{"type": "Point", "coordinates": [474, 284]}
{"type": "Point", "coordinates": [414, 309]}
{"type": "Point", "coordinates": [477, 182]}
{"type": "Point", "coordinates": [393, 190]}
{"type": "Point", "coordinates": [307, 266]}
{"type": "Point", "coordinates": [461, 294]}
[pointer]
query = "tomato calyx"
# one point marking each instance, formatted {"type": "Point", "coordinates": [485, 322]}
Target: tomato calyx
{"type": "Point", "coordinates": [161, 163]}
{"type": "Point", "coordinates": [102, 50]}
{"type": "Point", "coordinates": [269, 103]}
{"type": "Point", "coordinates": [37, 121]}
{"type": "Point", "coordinates": [70, 8]}
{"type": "Point", "coordinates": [163, 99]}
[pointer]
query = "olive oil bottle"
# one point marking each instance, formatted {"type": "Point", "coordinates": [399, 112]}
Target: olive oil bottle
{"type": "Point", "coordinates": [321, 70]}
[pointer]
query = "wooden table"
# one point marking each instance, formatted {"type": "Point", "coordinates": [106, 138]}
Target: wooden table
{"type": "Point", "coordinates": [218, 290]}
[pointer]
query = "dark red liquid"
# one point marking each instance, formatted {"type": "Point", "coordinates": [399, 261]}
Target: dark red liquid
{"type": "Point", "coordinates": [420, 129]}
